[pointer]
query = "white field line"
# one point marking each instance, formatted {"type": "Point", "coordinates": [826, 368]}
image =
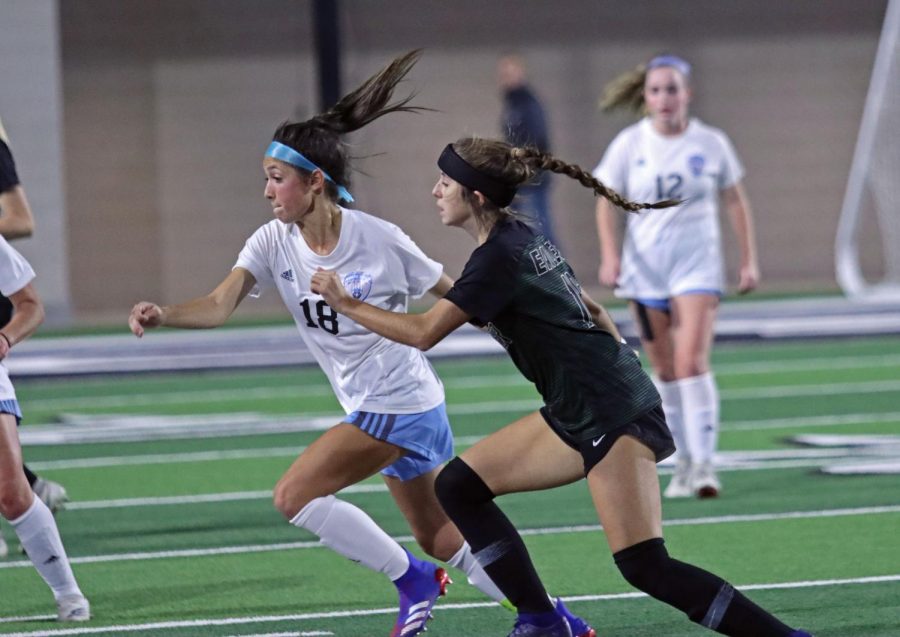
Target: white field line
{"type": "Point", "coordinates": [234, 496]}
{"type": "Point", "coordinates": [266, 393]}
{"type": "Point", "coordinates": [582, 528]}
{"type": "Point", "coordinates": [461, 441]}
{"type": "Point", "coordinates": [232, 621]}
{"type": "Point", "coordinates": [808, 364]}
{"type": "Point", "coordinates": [305, 633]}
{"type": "Point", "coordinates": [748, 393]}
{"type": "Point", "coordinates": [794, 391]}
{"type": "Point", "coordinates": [144, 428]}
{"type": "Point", "coordinates": [469, 382]}
{"type": "Point", "coordinates": [812, 421]}
{"type": "Point", "coordinates": [816, 458]}
{"type": "Point", "coordinates": [203, 498]}
{"type": "Point", "coordinates": [167, 458]}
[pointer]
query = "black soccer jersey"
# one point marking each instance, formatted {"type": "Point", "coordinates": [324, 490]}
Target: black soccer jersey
{"type": "Point", "coordinates": [8, 180]}
{"type": "Point", "coordinates": [523, 291]}
{"type": "Point", "coordinates": [8, 176]}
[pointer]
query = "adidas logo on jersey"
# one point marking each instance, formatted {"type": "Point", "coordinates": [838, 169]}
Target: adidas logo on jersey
{"type": "Point", "coordinates": [288, 275]}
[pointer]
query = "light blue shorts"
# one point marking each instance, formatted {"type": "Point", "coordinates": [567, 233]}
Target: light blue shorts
{"type": "Point", "coordinates": [426, 436]}
{"type": "Point", "coordinates": [664, 304]}
{"type": "Point", "coordinates": [11, 406]}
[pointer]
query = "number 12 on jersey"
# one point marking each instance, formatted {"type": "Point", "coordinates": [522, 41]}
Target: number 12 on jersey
{"type": "Point", "coordinates": [668, 186]}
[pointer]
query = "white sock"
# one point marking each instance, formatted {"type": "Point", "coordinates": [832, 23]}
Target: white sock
{"type": "Point", "coordinates": [671, 403]}
{"type": "Point", "coordinates": [39, 536]}
{"type": "Point", "coordinates": [466, 562]}
{"type": "Point", "coordinates": [700, 401]}
{"type": "Point", "coordinates": [350, 532]}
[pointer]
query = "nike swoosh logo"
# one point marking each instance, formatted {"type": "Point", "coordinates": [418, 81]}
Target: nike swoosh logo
{"type": "Point", "coordinates": [597, 441]}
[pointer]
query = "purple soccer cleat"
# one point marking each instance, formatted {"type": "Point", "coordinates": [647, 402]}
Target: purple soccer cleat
{"type": "Point", "coordinates": [528, 626]}
{"type": "Point", "coordinates": [419, 588]}
{"type": "Point", "coordinates": [577, 625]}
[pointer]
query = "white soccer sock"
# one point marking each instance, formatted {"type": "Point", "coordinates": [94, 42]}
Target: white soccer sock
{"type": "Point", "coordinates": [700, 401]}
{"type": "Point", "coordinates": [671, 403]}
{"type": "Point", "coordinates": [39, 536]}
{"type": "Point", "coordinates": [350, 532]}
{"type": "Point", "coordinates": [466, 562]}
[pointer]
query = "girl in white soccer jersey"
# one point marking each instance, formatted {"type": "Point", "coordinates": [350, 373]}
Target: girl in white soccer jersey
{"type": "Point", "coordinates": [671, 262]}
{"type": "Point", "coordinates": [29, 516]}
{"type": "Point", "coordinates": [396, 419]}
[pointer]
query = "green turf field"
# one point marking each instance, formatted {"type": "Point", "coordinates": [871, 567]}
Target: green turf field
{"type": "Point", "coordinates": [179, 537]}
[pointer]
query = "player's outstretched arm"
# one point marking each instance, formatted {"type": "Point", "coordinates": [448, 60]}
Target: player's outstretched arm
{"type": "Point", "coordinates": [203, 312]}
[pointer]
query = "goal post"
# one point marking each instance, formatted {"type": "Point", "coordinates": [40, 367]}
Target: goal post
{"type": "Point", "coordinates": [873, 187]}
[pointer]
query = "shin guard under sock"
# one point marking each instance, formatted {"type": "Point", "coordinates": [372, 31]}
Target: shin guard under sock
{"type": "Point", "coordinates": [706, 598]}
{"type": "Point", "coordinates": [349, 531]}
{"type": "Point", "coordinates": [465, 561]}
{"type": "Point", "coordinates": [39, 536]}
{"type": "Point", "coordinates": [494, 540]}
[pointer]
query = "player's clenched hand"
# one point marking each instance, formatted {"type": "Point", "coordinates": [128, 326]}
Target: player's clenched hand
{"type": "Point", "coordinates": [609, 271]}
{"type": "Point", "coordinates": [143, 315]}
{"type": "Point", "coordinates": [748, 278]}
{"type": "Point", "coordinates": [329, 285]}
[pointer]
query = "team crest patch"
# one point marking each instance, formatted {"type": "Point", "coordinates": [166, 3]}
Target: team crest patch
{"type": "Point", "coordinates": [696, 163]}
{"type": "Point", "coordinates": [358, 284]}
{"type": "Point", "coordinates": [288, 275]}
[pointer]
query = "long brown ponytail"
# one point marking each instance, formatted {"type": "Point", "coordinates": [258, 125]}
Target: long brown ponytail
{"type": "Point", "coordinates": [516, 166]}
{"type": "Point", "coordinates": [319, 138]}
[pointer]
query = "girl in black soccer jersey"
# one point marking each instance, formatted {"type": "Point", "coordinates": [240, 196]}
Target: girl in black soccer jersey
{"type": "Point", "coordinates": [597, 399]}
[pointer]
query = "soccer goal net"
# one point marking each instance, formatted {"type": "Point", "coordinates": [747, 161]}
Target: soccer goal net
{"type": "Point", "coordinates": [867, 247]}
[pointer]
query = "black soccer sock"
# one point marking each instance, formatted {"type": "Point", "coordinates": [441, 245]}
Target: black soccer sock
{"type": "Point", "coordinates": [494, 540]}
{"type": "Point", "coordinates": [31, 475]}
{"type": "Point", "coordinates": [706, 598]}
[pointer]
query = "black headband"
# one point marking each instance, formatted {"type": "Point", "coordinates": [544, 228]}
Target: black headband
{"type": "Point", "coordinates": [455, 167]}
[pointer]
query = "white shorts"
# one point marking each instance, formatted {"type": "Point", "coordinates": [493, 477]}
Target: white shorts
{"type": "Point", "coordinates": [671, 269]}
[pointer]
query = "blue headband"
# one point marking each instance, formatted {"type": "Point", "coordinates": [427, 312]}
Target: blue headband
{"type": "Point", "coordinates": [279, 151]}
{"type": "Point", "coordinates": [674, 61]}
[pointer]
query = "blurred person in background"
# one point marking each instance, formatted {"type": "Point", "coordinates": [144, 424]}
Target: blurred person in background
{"type": "Point", "coordinates": [396, 421]}
{"type": "Point", "coordinates": [17, 222]}
{"type": "Point", "coordinates": [524, 123]}
{"type": "Point", "coordinates": [30, 518]}
{"type": "Point", "coordinates": [670, 267]}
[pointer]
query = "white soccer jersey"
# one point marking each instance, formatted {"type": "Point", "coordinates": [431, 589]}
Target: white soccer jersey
{"type": "Point", "coordinates": [675, 250]}
{"type": "Point", "coordinates": [15, 274]}
{"type": "Point", "coordinates": [378, 263]}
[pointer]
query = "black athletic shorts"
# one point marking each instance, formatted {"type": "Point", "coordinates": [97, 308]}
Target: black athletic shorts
{"type": "Point", "coordinates": [650, 428]}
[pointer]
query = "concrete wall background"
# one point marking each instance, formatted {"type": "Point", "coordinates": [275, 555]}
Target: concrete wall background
{"type": "Point", "coordinates": [168, 106]}
{"type": "Point", "coordinates": [31, 105]}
